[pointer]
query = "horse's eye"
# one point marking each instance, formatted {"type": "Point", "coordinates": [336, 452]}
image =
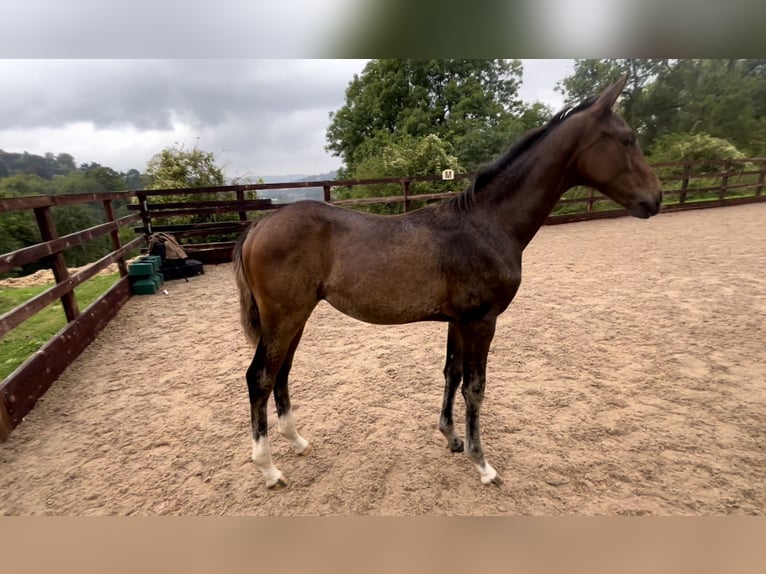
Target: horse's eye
{"type": "Point", "coordinates": [629, 141]}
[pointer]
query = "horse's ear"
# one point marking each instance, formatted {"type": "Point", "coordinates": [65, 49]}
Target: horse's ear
{"type": "Point", "coordinates": [608, 97]}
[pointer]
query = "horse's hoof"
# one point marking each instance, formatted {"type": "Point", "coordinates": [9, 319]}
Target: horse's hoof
{"type": "Point", "coordinates": [307, 450]}
{"type": "Point", "coordinates": [456, 445]}
{"type": "Point", "coordinates": [497, 481]}
{"type": "Point", "coordinates": [278, 485]}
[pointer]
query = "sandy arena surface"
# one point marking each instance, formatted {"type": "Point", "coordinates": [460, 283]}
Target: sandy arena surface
{"type": "Point", "coordinates": [628, 377]}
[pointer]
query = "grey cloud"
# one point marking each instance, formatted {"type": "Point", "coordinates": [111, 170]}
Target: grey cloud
{"type": "Point", "coordinates": [147, 93]}
{"type": "Point", "coordinates": [261, 117]}
{"type": "Point", "coordinates": [255, 113]}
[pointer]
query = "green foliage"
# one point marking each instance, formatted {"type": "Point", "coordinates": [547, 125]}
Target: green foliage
{"type": "Point", "coordinates": [694, 147]}
{"type": "Point", "coordinates": [135, 180]}
{"type": "Point", "coordinates": [46, 166]}
{"type": "Point", "coordinates": [590, 76]}
{"type": "Point", "coordinates": [175, 167]}
{"type": "Point", "coordinates": [407, 155]}
{"type": "Point", "coordinates": [33, 333]}
{"type": "Point", "coordinates": [19, 229]}
{"type": "Point", "coordinates": [706, 153]}
{"type": "Point", "coordinates": [723, 98]}
{"type": "Point", "coordinates": [481, 141]}
{"type": "Point", "coordinates": [24, 184]}
{"type": "Point", "coordinates": [96, 180]}
{"type": "Point", "coordinates": [460, 101]}
{"type": "Point", "coordinates": [399, 156]}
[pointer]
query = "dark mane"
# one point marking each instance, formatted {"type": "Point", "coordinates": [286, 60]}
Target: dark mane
{"type": "Point", "coordinates": [511, 157]}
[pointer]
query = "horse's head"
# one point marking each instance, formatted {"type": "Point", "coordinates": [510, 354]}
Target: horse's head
{"type": "Point", "coordinates": [610, 160]}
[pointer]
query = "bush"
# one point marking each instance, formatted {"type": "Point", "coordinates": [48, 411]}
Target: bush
{"type": "Point", "coordinates": [401, 156]}
{"type": "Point", "coordinates": [694, 147]}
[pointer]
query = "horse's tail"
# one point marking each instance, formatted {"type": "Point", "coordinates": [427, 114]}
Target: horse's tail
{"type": "Point", "coordinates": [248, 308]}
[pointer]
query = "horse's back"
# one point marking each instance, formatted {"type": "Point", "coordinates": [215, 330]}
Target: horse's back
{"type": "Point", "coordinates": [377, 268]}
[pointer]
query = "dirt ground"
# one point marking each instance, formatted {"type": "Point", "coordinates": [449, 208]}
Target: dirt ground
{"type": "Point", "coordinates": [628, 377]}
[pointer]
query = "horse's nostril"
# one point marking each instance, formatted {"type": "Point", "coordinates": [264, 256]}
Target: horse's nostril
{"type": "Point", "coordinates": [651, 207]}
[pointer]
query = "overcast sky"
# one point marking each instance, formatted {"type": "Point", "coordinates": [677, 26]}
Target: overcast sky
{"type": "Point", "coordinates": [260, 117]}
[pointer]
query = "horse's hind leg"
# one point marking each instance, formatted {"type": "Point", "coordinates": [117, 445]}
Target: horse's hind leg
{"type": "Point", "coordinates": [260, 377]}
{"type": "Point", "coordinates": [453, 373]}
{"type": "Point", "coordinates": [268, 372]}
{"type": "Point", "coordinates": [282, 401]}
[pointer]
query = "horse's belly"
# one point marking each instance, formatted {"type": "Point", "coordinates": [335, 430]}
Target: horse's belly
{"type": "Point", "coordinates": [383, 308]}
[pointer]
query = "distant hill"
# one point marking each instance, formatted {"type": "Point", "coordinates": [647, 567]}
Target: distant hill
{"type": "Point", "coordinates": [291, 195]}
{"type": "Point", "coordinates": [294, 177]}
{"type": "Point", "coordinates": [46, 166]}
{"type": "Point", "coordinates": [321, 177]}
{"type": "Point", "coordinates": [279, 178]}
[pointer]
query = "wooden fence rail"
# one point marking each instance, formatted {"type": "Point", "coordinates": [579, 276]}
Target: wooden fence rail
{"type": "Point", "coordinates": [725, 182]}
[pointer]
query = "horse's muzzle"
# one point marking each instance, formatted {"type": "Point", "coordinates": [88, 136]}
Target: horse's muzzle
{"type": "Point", "coordinates": [646, 208]}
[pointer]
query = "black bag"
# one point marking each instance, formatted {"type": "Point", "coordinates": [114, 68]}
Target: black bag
{"type": "Point", "coordinates": [176, 268]}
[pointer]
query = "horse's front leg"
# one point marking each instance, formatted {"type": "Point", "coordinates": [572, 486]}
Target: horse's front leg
{"type": "Point", "coordinates": [476, 338]}
{"type": "Point", "coordinates": [453, 373]}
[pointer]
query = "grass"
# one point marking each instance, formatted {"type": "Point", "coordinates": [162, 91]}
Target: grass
{"type": "Point", "coordinates": [33, 333]}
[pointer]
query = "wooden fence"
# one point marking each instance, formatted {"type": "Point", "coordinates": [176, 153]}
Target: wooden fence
{"type": "Point", "coordinates": [691, 185]}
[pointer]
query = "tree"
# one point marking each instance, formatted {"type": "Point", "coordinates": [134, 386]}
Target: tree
{"type": "Point", "coordinates": [134, 179]}
{"type": "Point", "coordinates": [65, 164]}
{"type": "Point", "coordinates": [74, 218]}
{"type": "Point", "coordinates": [590, 76]}
{"type": "Point", "coordinates": [176, 168]}
{"type": "Point", "coordinates": [452, 99]}
{"type": "Point", "coordinates": [723, 98]}
{"type": "Point", "coordinates": [694, 147]}
{"type": "Point", "coordinates": [720, 98]}
{"type": "Point", "coordinates": [107, 178]}
{"type": "Point", "coordinates": [706, 152]}
{"type": "Point", "coordinates": [18, 228]}
{"type": "Point", "coordinates": [482, 142]}
{"type": "Point", "coordinates": [401, 155]}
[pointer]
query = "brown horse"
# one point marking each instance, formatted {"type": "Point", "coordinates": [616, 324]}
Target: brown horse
{"type": "Point", "coordinates": [458, 262]}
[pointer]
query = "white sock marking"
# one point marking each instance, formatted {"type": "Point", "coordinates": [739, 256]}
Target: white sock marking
{"type": "Point", "coordinates": [487, 473]}
{"type": "Point", "coordinates": [287, 429]}
{"type": "Point", "coordinates": [262, 459]}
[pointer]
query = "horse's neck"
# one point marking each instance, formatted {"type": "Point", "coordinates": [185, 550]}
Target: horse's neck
{"type": "Point", "coordinates": [522, 211]}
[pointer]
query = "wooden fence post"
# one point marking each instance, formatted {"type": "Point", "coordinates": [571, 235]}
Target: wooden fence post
{"type": "Point", "coordinates": [6, 426]}
{"type": "Point", "coordinates": [685, 182]}
{"type": "Point", "coordinates": [724, 181]}
{"type": "Point", "coordinates": [116, 241]}
{"type": "Point", "coordinates": [589, 201]}
{"type": "Point", "coordinates": [405, 193]}
{"type": "Point", "coordinates": [241, 197]}
{"type": "Point", "coordinates": [144, 210]}
{"type": "Point", "coordinates": [327, 193]}
{"type": "Point", "coordinates": [760, 178]}
{"type": "Point", "coordinates": [58, 264]}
